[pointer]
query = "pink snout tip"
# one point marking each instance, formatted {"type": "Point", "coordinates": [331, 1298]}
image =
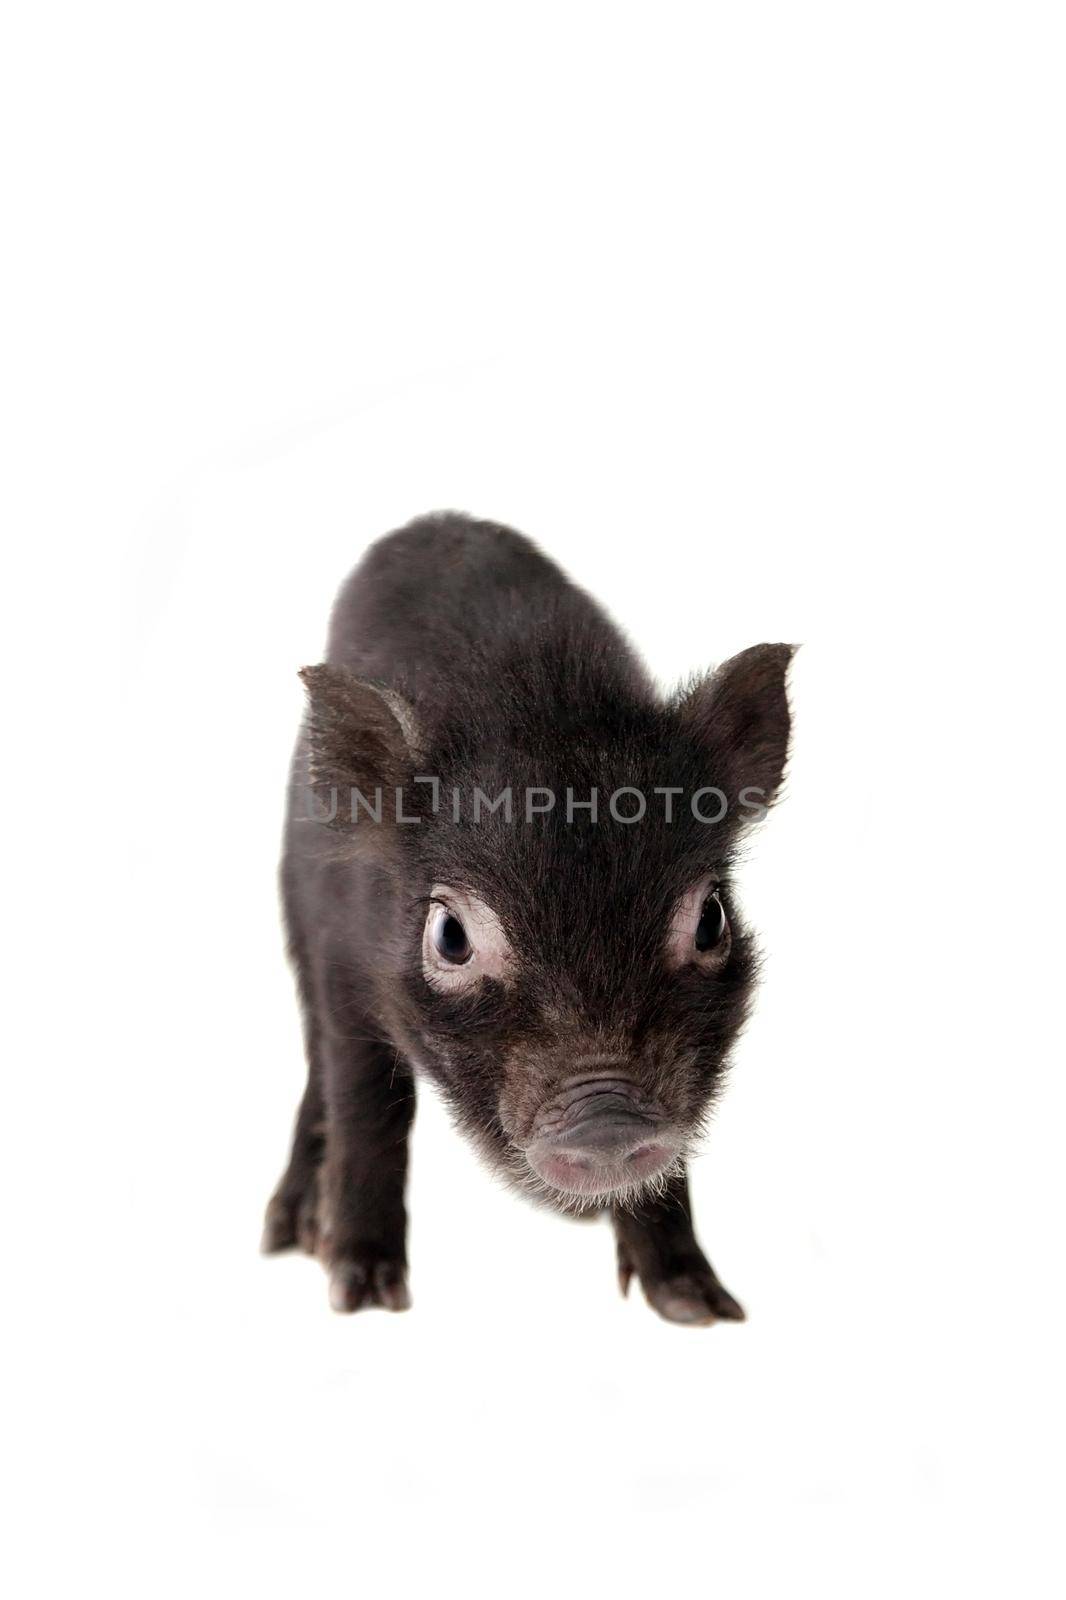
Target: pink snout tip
{"type": "Point", "coordinates": [586, 1173]}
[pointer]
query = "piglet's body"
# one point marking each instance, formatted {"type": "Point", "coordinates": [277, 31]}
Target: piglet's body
{"type": "Point", "coordinates": [507, 868]}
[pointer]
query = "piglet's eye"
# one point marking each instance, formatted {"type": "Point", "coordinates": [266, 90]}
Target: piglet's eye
{"type": "Point", "coordinates": [462, 941]}
{"type": "Point", "coordinates": [710, 930]}
{"type": "Point", "coordinates": [699, 933]}
{"type": "Point", "coordinates": [450, 940]}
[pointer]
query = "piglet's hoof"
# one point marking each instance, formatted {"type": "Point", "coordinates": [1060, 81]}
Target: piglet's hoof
{"type": "Point", "coordinates": [279, 1226]}
{"type": "Point", "coordinates": [291, 1220]}
{"type": "Point", "coordinates": [355, 1285]}
{"type": "Point", "coordinates": [694, 1297]}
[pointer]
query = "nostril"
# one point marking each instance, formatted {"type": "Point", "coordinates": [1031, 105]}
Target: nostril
{"type": "Point", "coordinates": [599, 1170]}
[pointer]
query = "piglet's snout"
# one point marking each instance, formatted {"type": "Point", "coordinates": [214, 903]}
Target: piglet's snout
{"type": "Point", "coordinates": [599, 1135]}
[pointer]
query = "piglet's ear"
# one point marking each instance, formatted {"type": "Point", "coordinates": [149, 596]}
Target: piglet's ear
{"type": "Point", "coordinates": [739, 714]}
{"type": "Point", "coordinates": [360, 735]}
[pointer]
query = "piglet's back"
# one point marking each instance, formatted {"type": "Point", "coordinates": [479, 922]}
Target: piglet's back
{"type": "Point", "coordinates": [453, 612]}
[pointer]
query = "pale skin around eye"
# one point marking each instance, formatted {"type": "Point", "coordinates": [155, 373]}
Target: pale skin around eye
{"type": "Point", "coordinates": [489, 952]}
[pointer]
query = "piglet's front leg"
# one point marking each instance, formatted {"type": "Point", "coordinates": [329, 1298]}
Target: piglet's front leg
{"type": "Point", "coordinates": [370, 1103]}
{"type": "Point", "coordinates": [655, 1240]}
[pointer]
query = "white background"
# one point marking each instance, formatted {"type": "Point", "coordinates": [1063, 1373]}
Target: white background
{"type": "Point", "coordinates": [752, 315]}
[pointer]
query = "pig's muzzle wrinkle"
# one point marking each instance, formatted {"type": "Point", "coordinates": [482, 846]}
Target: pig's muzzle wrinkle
{"type": "Point", "coordinates": [587, 1099]}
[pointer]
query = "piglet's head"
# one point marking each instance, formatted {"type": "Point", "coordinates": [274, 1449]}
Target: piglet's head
{"type": "Point", "coordinates": [554, 935]}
